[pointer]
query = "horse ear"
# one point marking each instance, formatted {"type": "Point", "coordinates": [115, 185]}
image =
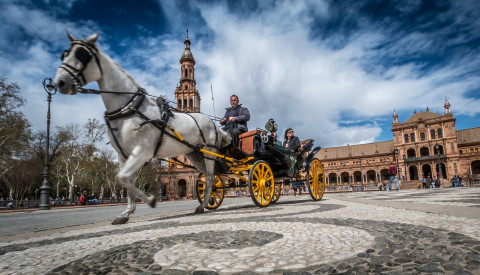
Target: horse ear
{"type": "Point", "coordinates": [70, 36]}
{"type": "Point", "coordinates": [92, 38]}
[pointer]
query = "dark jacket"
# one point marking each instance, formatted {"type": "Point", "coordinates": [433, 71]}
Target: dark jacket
{"type": "Point", "coordinates": [293, 144]}
{"type": "Point", "coordinates": [392, 171]}
{"type": "Point", "coordinates": [241, 115]}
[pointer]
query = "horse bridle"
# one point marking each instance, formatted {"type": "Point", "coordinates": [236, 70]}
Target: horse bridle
{"type": "Point", "coordinates": [84, 55]}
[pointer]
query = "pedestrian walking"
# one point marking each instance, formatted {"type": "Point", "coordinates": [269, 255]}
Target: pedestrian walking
{"type": "Point", "coordinates": [392, 172]}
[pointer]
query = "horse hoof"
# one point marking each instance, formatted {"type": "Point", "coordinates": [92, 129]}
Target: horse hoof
{"type": "Point", "coordinates": [120, 220]}
{"type": "Point", "coordinates": [153, 201]}
{"type": "Point", "coordinates": [199, 210]}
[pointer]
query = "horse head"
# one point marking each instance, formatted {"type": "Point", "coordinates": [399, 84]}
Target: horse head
{"type": "Point", "coordinates": [80, 65]}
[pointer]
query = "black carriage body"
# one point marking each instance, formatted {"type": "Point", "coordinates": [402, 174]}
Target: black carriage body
{"type": "Point", "coordinates": [285, 164]}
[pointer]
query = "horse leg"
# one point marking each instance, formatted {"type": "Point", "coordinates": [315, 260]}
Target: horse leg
{"type": "Point", "coordinates": [131, 206]}
{"type": "Point", "coordinates": [198, 161]}
{"type": "Point", "coordinates": [210, 178]}
{"type": "Point", "coordinates": [125, 177]}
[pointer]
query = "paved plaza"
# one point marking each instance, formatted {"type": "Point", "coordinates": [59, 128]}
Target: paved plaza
{"type": "Point", "coordinates": [406, 232]}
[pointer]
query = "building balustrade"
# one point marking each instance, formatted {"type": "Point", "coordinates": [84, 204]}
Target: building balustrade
{"type": "Point", "coordinates": [435, 157]}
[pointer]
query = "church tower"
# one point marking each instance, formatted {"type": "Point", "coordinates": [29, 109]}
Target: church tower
{"type": "Point", "coordinates": [446, 107]}
{"type": "Point", "coordinates": [395, 117]}
{"type": "Point", "coordinates": [186, 94]}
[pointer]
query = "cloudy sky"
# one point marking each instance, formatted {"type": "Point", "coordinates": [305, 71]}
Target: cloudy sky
{"type": "Point", "coordinates": [332, 70]}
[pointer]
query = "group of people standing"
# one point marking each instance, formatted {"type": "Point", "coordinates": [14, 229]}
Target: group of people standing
{"type": "Point", "coordinates": [428, 183]}
{"type": "Point", "coordinates": [235, 122]}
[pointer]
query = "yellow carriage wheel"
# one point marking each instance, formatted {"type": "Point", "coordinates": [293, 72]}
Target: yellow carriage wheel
{"type": "Point", "coordinates": [316, 180]}
{"type": "Point", "coordinates": [216, 196]}
{"type": "Point", "coordinates": [261, 183]}
{"type": "Point", "coordinates": [277, 192]}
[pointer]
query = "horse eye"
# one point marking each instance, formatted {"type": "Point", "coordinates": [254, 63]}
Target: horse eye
{"type": "Point", "coordinates": [64, 54]}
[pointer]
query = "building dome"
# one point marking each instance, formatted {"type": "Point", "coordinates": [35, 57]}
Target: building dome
{"type": "Point", "coordinates": [187, 54]}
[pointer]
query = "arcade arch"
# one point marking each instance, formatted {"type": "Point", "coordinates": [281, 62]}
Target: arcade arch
{"type": "Point", "coordinates": [182, 188]}
{"type": "Point", "coordinates": [475, 167]}
{"type": "Point", "coordinates": [332, 178]}
{"type": "Point", "coordinates": [371, 176]}
{"type": "Point", "coordinates": [384, 174]}
{"type": "Point", "coordinates": [357, 176]}
{"type": "Point", "coordinates": [426, 170]}
{"type": "Point", "coordinates": [413, 172]}
{"type": "Point", "coordinates": [345, 177]}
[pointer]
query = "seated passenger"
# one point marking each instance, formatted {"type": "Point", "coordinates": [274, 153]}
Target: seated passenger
{"type": "Point", "coordinates": [291, 142]}
{"type": "Point", "coordinates": [235, 119]}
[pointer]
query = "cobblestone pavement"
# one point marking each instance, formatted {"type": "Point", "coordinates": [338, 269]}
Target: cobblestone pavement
{"type": "Point", "coordinates": [350, 233]}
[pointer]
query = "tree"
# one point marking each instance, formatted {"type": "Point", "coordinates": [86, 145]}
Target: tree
{"type": "Point", "coordinates": [20, 177]}
{"type": "Point", "coordinates": [15, 133]}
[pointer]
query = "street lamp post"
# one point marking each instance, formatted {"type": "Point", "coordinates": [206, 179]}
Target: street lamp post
{"type": "Point", "coordinates": [405, 166]}
{"type": "Point", "coordinates": [45, 188]}
{"type": "Point", "coordinates": [396, 152]}
{"type": "Point", "coordinates": [437, 148]}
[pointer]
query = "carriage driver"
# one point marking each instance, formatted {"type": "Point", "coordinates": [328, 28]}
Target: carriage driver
{"type": "Point", "coordinates": [235, 119]}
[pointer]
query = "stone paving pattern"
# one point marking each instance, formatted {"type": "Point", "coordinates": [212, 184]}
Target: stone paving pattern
{"type": "Point", "coordinates": [293, 236]}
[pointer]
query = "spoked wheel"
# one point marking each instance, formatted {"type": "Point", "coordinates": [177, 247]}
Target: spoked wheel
{"type": "Point", "coordinates": [261, 183]}
{"type": "Point", "coordinates": [316, 180]}
{"type": "Point", "coordinates": [277, 192]}
{"type": "Point", "coordinates": [216, 196]}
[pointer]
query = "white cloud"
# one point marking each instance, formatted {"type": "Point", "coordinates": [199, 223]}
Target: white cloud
{"type": "Point", "coordinates": [270, 58]}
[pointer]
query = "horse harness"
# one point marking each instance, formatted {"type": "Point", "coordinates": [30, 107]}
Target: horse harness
{"type": "Point", "coordinates": [132, 107]}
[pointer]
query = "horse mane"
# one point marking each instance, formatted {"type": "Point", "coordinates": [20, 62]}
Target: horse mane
{"type": "Point", "coordinates": [119, 67]}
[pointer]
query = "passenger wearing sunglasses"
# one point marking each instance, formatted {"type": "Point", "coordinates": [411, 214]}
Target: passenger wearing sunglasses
{"type": "Point", "coordinates": [291, 142]}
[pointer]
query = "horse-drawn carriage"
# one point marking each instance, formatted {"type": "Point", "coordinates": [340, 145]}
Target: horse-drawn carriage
{"type": "Point", "coordinates": [266, 167]}
{"type": "Point", "coordinates": [140, 128]}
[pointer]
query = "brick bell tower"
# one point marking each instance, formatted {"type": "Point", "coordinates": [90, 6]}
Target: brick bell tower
{"type": "Point", "coordinates": [186, 94]}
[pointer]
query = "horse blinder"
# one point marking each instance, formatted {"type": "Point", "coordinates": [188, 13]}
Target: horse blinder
{"type": "Point", "coordinates": [83, 56]}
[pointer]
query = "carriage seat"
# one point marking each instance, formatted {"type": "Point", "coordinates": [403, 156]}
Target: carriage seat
{"type": "Point", "coordinates": [245, 141]}
{"type": "Point", "coordinates": [305, 145]}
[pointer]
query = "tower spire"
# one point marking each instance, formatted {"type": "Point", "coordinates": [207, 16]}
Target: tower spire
{"type": "Point", "coordinates": [186, 93]}
{"type": "Point", "coordinates": [395, 117]}
{"type": "Point", "coordinates": [446, 106]}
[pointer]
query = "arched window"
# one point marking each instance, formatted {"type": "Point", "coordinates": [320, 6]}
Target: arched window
{"type": "Point", "coordinates": [424, 152]}
{"type": "Point", "coordinates": [411, 153]}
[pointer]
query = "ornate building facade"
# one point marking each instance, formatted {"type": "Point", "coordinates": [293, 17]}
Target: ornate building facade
{"type": "Point", "coordinates": [426, 144]}
{"type": "Point", "coordinates": [178, 181]}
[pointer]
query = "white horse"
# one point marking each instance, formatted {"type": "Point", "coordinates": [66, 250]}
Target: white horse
{"type": "Point", "coordinates": [139, 128]}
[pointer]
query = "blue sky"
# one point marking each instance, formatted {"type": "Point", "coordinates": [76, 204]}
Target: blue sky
{"type": "Point", "coordinates": [332, 70]}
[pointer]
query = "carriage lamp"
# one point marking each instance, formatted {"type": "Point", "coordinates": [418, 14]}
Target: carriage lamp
{"type": "Point", "coordinates": [50, 88]}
